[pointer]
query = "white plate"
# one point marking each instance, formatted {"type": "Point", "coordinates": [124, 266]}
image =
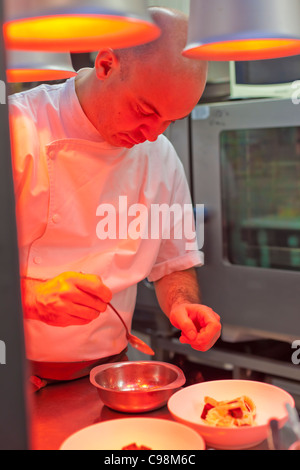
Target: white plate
{"type": "Point", "coordinates": [187, 404]}
{"type": "Point", "coordinates": [157, 434]}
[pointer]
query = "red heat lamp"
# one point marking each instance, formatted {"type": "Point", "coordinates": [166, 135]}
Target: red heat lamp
{"type": "Point", "coordinates": [240, 30]}
{"type": "Point", "coordinates": [25, 66]}
{"type": "Point", "coordinates": [76, 25]}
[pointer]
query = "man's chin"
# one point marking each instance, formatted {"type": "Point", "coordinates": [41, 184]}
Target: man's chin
{"type": "Point", "coordinates": [127, 145]}
{"type": "Point", "coordinates": [123, 145]}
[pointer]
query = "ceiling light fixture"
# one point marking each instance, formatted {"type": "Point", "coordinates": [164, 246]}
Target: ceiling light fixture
{"type": "Point", "coordinates": [25, 66]}
{"type": "Point", "coordinates": [76, 25]}
{"type": "Point", "coordinates": [243, 29]}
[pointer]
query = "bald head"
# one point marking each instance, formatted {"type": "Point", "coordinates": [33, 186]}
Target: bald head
{"type": "Point", "coordinates": [173, 25]}
{"type": "Point", "coordinates": [167, 50]}
{"type": "Point", "coordinates": [133, 95]}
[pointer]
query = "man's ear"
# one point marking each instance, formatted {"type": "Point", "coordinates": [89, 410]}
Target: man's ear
{"type": "Point", "coordinates": [106, 61]}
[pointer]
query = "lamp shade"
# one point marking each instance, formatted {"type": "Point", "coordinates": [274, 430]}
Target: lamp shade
{"type": "Point", "coordinates": [25, 66]}
{"type": "Point", "coordinates": [76, 25]}
{"type": "Point", "coordinates": [243, 29]}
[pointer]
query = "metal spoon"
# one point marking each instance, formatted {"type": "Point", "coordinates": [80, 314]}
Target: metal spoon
{"type": "Point", "coordinates": [293, 419]}
{"type": "Point", "coordinates": [135, 342]}
{"type": "Point", "coordinates": [274, 435]}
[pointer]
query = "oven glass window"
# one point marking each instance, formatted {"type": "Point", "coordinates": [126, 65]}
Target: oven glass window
{"type": "Point", "coordinates": [260, 171]}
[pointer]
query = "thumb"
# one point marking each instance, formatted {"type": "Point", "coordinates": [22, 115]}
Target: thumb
{"type": "Point", "coordinates": [180, 319]}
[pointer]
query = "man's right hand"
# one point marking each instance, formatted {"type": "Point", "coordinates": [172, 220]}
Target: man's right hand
{"type": "Point", "coordinates": [68, 299]}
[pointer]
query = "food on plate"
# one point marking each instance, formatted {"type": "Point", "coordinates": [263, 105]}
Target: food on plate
{"type": "Point", "coordinates": [134, 446]}
{"type": "Point", "coordinates": [229, 413]}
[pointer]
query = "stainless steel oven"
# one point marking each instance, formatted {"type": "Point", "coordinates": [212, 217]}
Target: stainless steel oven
{"type": "Point", "coordinates": [246, 170]}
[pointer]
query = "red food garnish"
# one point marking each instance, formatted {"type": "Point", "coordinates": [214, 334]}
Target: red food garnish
{"type": "Point", "coordinates": [135, 447]}
{"type": "Point", "coordinates": [206, 409]}
{"type": "Point", "coordinates": [236, 413]}
{"type": "Point", "coordinates": [247, 406]}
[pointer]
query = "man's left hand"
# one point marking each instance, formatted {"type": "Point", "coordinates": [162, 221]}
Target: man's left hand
{"type": "Point", "coordinates": [200, 326]}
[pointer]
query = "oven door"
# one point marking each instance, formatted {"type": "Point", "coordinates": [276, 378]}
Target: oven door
{"type": "Point", "coordinates": [246, 171]}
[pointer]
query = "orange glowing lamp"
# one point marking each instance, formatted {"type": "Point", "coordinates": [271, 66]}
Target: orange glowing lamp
{"type": "Point", "coordinates": [239, 30]}
{"type": "Point", "coordinates": [77, 25]}
{"type": "Point", "coordinates": [25, 66]}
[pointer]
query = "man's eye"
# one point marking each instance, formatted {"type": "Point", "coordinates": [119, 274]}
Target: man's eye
{"type": "Point", "coordinates": [143, 112]}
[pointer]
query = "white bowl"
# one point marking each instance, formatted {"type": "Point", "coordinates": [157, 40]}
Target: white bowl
{"type": "Point", "coordinates": [187, 404]}
{"type": "Point", "coordinates": [295, 446]}
{"type": "Point", "coordinates": [154, 433]}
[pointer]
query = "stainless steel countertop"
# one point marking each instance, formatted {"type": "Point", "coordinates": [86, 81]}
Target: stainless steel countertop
{"type": "Point", "coordinates": [60, 410]}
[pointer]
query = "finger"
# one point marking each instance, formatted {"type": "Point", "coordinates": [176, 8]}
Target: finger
{"type": "Point", "coordinates": [83, 319]}
{"type": "Point", "coordinates": [88, 283]}
{"type": "Point", "coordinates": [180, 319]}
{"type": "Point", "coordinates": [209, 335]}
{"type": "Point", "coordinates": [83, 299]}
{"type": "Point", "coordinates": [199, 346]}
{"type": "Point", "coordinates": [92, 284]}
{"type": "Point", "coordinates": [71, 320]}
{"type": "Point", "coordinates": [206, 338]}
{"type": "Point", "coordinates": [202, 313]}
{"type": "Point", "coordinates": [67, 319]}
{"type": "Point", "coordinates": [82, 312]}
{"type": "Point", "coordinates": [209, 313]}
{"type": "Point", "coordinates": [211, 330]}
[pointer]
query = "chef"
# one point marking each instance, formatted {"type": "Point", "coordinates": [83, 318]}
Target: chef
{"type": "Point", "coordinates": [85, 145]}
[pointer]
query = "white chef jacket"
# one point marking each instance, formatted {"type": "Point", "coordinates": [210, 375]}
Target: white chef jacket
{"type": "Point", "coordinates": [63, 171]}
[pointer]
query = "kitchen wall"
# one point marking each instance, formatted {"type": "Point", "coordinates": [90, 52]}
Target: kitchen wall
{"type": "Point", "coordinates": [218, 73]}
{"type": "Point", "coordinates": [182, 5]}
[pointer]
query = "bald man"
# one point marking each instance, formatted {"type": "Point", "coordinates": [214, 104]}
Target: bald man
{"type": "Point", "coordinates": [80, 150]}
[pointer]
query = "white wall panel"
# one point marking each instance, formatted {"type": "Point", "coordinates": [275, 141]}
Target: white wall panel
{"type": "Point", "coordinates": [182, 5]}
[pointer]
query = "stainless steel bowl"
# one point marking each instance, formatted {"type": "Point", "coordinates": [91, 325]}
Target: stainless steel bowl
{"type": "Point", "coordinates": [137, 386]}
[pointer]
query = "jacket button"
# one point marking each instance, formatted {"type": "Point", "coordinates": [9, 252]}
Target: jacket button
{"type": "Point", "coordinates": [56, 218]}
{"type": "Point", "coordinates": [51, 154]}
{"type": "Point", "coordinates": [37, 260]}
